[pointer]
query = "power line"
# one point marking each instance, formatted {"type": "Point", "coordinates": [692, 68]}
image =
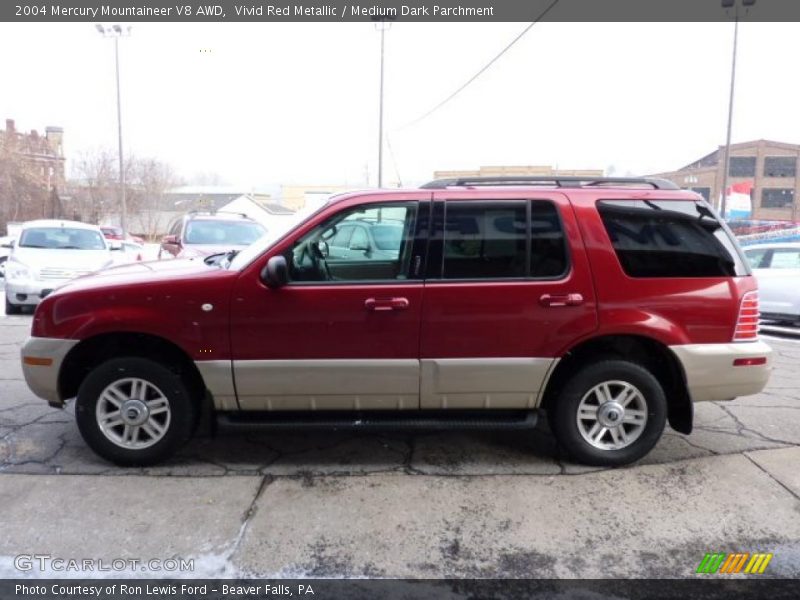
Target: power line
{"type": "Point", "coordinates": [485, 68]}
{"type": "Point", "coordinates": [394, 160]}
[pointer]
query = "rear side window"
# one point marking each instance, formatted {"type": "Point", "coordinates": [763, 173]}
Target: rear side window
{"type": "Point", "coordinates": [670, 238]}
{"type": "Point", "coordinates": [502, 240]}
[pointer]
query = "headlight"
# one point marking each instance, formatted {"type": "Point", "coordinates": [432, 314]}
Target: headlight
{"type": "Point", "coordinates": [16, 270]}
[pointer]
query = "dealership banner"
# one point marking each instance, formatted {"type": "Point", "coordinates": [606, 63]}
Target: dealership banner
{"type": "Point", "coordinates": [401, 10]}
{"type": "Point", "coordinates": [708, 587]}
{"type": "Point", "coordinates": [739, 200]}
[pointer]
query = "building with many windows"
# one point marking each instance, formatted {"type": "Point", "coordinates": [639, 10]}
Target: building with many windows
{"type": "Point", "coordinates": [762, 179]}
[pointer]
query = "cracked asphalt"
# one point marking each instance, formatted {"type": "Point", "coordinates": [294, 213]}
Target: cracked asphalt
{"type": "Point", "coordinates": [429, 504]}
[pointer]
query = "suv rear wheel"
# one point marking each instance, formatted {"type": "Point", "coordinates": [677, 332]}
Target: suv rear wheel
{"type": "Point", "coordinates": [134, 411]}
{"type": "Point", "coordinates": [610, 413]}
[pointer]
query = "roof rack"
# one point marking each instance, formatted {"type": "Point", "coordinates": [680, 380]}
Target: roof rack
{"type": "Point", "coordinates": [572, 182]}
{"type": "Point", "coordinates": [201, 212]}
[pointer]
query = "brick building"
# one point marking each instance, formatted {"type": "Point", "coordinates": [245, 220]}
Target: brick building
{"type": "Point", "coordinates": [767, 170]}
{"type": "Point", "coordinates": [33, 173]}
{"type": "Point", "coordinates": [43, 153]}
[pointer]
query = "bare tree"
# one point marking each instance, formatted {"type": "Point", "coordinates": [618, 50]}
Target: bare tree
{"type": "Point", "coordinates": [206, 178]}
{"type": "Point", "coordinates": [94, 186]}
{"type": "Point", "coordinates": [149, 180]}
{"type": "Point", "coordinates": [95, 190]}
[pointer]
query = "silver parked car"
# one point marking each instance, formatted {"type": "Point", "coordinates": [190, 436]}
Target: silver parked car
{"type": "Point", "coordinates": [777, 268]}
{"type": "Point", "coordinates": [49, 253]}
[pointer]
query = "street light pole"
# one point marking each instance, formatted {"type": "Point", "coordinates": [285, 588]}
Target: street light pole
{"type": "Point", "coordinates": [117, 32]}
{"type": "Point", "coordinates": [383, 26]}
{"type": "Point", "coordinates": [726, 157]}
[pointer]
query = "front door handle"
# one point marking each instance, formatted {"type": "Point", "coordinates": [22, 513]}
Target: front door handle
{"type": "Point", "coordinates": [561, 299]}
{"type": "Point", "coordinates": [384, 304]}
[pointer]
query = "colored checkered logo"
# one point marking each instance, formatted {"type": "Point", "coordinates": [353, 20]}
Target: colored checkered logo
{"type": "Point", "coordinates": [742, 562]}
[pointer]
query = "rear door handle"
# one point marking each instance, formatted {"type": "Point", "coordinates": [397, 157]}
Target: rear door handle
{"type": "Point", "coordinates": [384, 304]}
{"type": "Point", "coordinates": [561, 300]}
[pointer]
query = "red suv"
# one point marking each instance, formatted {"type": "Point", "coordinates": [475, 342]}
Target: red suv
{"type": "Point", "coordinates": [611, 305]}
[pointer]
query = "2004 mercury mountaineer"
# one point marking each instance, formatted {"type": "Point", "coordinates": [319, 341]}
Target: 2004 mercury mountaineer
{"type": "Point", "coordinates": [610, 305]}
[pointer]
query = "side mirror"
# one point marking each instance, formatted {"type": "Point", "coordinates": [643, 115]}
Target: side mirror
{"type": "Point", "coordinates": [170, 239]}
{"type": "Point", "coordinates": [360, 247]}
{"type": "Point", "coordinates": [114, 245]}
{"type": "Point", "coordinates": [276, 273]}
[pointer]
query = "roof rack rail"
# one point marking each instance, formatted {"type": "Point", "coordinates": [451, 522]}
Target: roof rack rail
{"type": "Point", "coordinates": [211, 212]}
{"type": "Point", "coordinates": [572, 182]}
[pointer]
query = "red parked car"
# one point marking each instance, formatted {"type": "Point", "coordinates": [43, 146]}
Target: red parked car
{"type": "Point", "coordinates": [609, 305]}
{"type": "Point", "coordinates": [111, 232]}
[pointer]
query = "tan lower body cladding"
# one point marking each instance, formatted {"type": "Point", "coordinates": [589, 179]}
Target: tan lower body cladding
{"type": "Point", "coordinates": [403, 384]}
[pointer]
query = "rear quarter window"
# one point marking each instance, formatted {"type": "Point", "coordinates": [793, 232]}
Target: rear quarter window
{"type": "Point", "coordinates": [670, 238]}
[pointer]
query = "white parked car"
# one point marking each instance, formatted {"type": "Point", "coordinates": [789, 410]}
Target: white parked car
{"type": "Point", "coordinates": [47, 254]}
{"type": "Point", "coordinates": [777, 268]}
{"type": "Point", "coordinates": [6, 243]}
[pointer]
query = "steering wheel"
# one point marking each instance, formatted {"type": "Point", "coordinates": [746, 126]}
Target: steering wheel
{"type": "Point", "coordinates": [312, 262]}
{"type": "Point", "coordinates": [318, 259]}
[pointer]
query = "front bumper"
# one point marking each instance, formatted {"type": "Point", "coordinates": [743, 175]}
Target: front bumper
{"type": "Point", "coordinates": [711, 374]}
{"type": "Point", "coordinates": [41, 363]}
{"type": "Point", "coordinates": [30, 293]}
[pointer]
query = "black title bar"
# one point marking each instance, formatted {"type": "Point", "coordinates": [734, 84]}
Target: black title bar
{"type": "Point", "coordinates": [404, 10]}
{"type": "Point", "coordinates": [707, 588]}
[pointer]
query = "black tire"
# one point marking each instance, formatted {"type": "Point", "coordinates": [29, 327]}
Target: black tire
{"type": "Point", "coordinates": [563, 412]}
{"type": "Point", "coordinates": [12, 309]}
{"type": "Point", "coordinates": [182, 407]}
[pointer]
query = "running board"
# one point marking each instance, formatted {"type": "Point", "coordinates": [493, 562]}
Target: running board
{"type": "Point", "coordinates": [385, 420]}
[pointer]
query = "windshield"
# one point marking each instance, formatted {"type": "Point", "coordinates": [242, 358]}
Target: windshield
{"type": "Point", "coordinates": [65, 238]}
{"type": "Point", "coordinates": [223, 233]}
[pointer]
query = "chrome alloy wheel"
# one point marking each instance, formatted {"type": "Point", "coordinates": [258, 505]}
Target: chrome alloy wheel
{"type": "Point", "coordinates": [612, 415]}
{"type": "Point", "coordinates": [133, 413]}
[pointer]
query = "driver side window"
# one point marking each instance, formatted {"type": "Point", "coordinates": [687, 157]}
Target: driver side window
{"type": "Point", "coordinates": [365, 243]}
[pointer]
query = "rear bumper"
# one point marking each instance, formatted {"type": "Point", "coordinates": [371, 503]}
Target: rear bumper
{"type": "Point", "coordinates": [711, 374]}
{"type": "Point", "coordinates": [44, 358]}
{"type": "Point", "coordinates": [779, 316]}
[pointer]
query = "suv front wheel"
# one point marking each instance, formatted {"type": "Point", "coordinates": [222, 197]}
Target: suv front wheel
{"type": "Point", "coordinates": [609, 413]}
{"type": "Point", "coordinates": [134, 411]}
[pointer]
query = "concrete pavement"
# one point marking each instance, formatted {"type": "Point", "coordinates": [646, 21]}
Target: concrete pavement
{"type": "Point", "coordinates": [408, 505]}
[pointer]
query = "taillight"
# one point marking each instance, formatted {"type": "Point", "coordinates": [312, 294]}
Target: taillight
{"type": "Point", "coordinates": [747, 323]}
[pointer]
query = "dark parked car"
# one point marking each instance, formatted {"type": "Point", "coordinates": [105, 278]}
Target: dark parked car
{"type": "Point", "coordinates": [371, 240]}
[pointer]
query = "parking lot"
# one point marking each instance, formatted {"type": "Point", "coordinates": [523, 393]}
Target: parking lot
{"type": "Point", "coordinates": [478, 504]}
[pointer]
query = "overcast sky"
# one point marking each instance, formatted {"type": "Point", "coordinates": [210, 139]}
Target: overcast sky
{"type": "Point", "coordinates": [263, 103]}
